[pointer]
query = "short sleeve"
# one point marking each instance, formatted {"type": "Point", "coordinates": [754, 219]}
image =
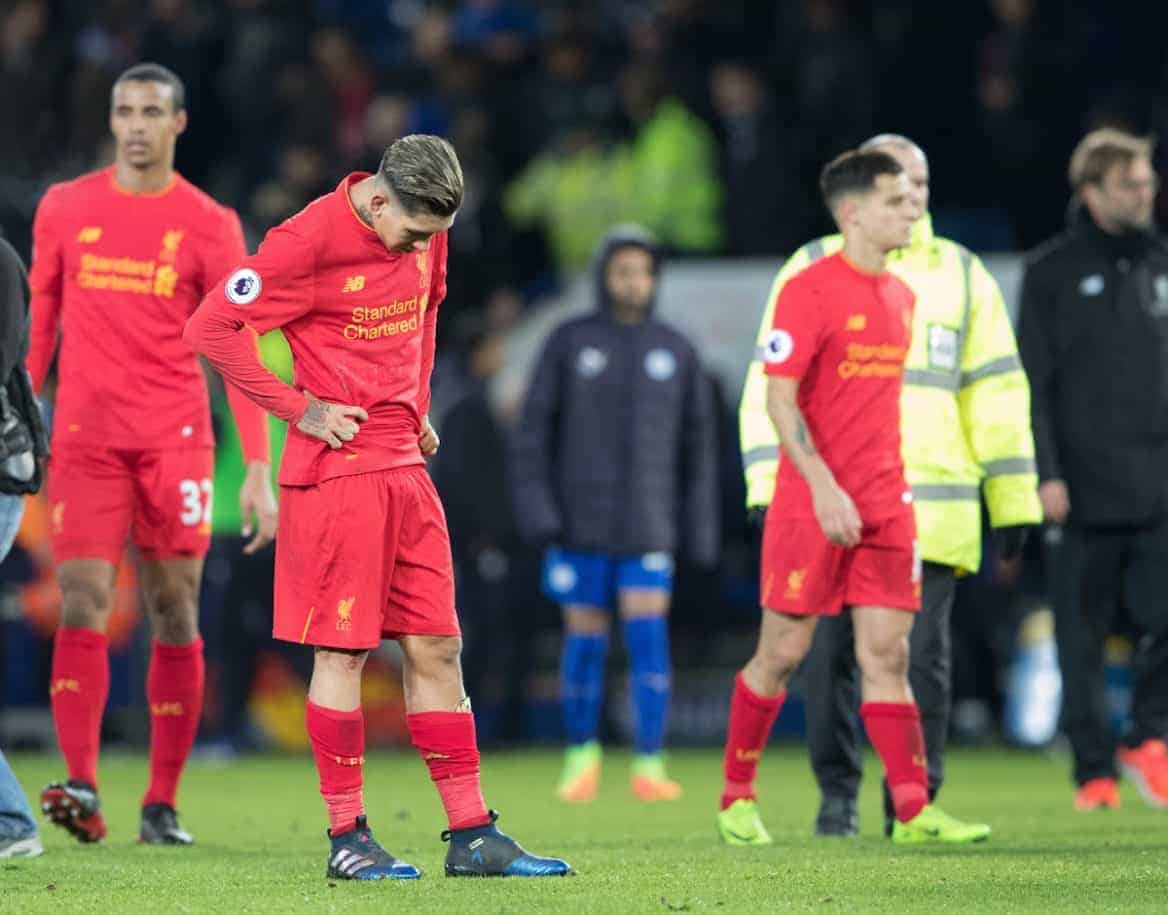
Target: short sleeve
{"type": "Point", "coordinates": [274, 286]}
{"type": "Point", "coordinates": [795, 332]}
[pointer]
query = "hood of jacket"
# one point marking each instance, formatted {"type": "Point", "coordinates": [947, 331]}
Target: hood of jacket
{"type": "Point", "coordinates": [623, 236]}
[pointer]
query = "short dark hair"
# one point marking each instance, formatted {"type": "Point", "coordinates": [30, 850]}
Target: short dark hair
{"type": "Point", "coordinates": [1102, 149]}
{"type": "Point", "coordinates": [155, 73]}
{"type": "Point", "coordinates": [854, 172]}
{"type": "Point", "coordinates": [423, 172]}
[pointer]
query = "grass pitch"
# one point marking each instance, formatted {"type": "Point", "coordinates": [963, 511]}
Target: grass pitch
{"type": "Point", "coordinates": [259, 824]}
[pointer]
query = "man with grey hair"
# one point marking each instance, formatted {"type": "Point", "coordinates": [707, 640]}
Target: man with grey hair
{"type": "Point", "coordinates": [966, 434]}
{"type": "Point", "coordinates": [354, 281]}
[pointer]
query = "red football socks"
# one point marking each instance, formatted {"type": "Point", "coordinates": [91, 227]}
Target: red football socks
{"type": "Point", "coordinates": [894, 728]}
{"type": "Point", "coordinates": [338, 743]}
{"type": "Point", "coordinates": [751, 719]}
{"type": "Point", "coordinates": [446, 742]}
{"type": "Point", "coordinates": [174, 689]}
{"type": "Point", "coordinates": [78, 692]}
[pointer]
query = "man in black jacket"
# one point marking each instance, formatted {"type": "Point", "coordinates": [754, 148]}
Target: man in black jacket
{"type": "Point", "coordinates": [614, 468]}
{"type": "Point", "coordinates": [23, 445]}
{"type": "Point", "coordinates": [1094, 341]}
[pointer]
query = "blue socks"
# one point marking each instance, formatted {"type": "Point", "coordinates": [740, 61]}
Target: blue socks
{"type": "Point", "coordinates": [582, 684]}
{"type": "Point", "coordinates": [650, 680]}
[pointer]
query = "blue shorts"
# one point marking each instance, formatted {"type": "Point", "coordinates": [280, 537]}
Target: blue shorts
{"type": "Point", "coordinates": [595, 579]}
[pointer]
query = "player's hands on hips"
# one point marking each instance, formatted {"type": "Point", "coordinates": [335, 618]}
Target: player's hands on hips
{"type": "Point", "coordinates": [837, 514]}
{"type": "Point", "coordinates": [1056, 501]}
{"type": "Point", "coordinates": [333, 423]}
{"type": "Point", "coordinates": [428, 441]}
{"type": "Point", "coordinates": [257, 505]}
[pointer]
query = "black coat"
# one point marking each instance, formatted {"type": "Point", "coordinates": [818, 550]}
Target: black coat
{"type": "Point", "coordinates": [22, 430]}
{"type": "Point", "coordinates": [470, 475]}
{"type": "Point", "coordinates": [1093, 335]}
{"type": "Point", "coordinates": [616, 448]}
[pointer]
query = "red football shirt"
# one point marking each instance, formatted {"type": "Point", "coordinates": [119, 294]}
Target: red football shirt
{"type": "Point", "coordinates": [117, 275]}
{"type": "Point", "coordinates": [845, 334]}
{"type": "Point", "coordinates": [359, 320]}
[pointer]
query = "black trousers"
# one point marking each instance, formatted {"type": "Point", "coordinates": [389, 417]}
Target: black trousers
{"type": "Point", "coordinates": [1096, 572]}
{"type": "Point", "coordinates": [831, 680]}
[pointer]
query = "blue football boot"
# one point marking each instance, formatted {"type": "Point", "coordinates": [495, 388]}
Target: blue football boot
{"type": "Point", "coordinates": [483, 851]}
{"type": "Point", "coordinates": [356, 855]}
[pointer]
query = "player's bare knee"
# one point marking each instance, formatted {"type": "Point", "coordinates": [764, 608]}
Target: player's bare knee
{"type": "Point", "coordinates": [885, 659]}
{"type": "Point", "coordinates": [174, 614]}
{"type": "Point", "coordinates": [85, 602]}
{"type": "Point", "coordinates": [434, 657]}
{"type": "Point", "coordinates": [587, 622]}
{"type": "Point", "coordinates": [339, 662]}
{"type": "Point", "coordinates": [779, 658]}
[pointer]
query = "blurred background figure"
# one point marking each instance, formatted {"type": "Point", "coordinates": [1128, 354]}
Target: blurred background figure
{"type": "Point", "coordinates": [614, 471]}
{"type": "Point", "coordinates": [23, 445]}
{"type": "Point", "coordinates": [1094, 343]}
{"type": "Point", "coordinates": [470, 472]}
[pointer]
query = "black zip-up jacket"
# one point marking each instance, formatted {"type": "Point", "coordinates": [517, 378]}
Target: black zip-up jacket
{"type": "Point", "coordinates": [1093, 336]}
{"type": "Point", "coordinates": [616, 448]}
{"type": "Point", "coordinates": [22, 429]}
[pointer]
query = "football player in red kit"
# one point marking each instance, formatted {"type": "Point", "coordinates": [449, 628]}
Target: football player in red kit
{"type": "Point", "coordinates": [840, 533]}
{"type": "Point", "coordinates": [354, 281]}
{"type": "Point", "coordinates": [121, 258]}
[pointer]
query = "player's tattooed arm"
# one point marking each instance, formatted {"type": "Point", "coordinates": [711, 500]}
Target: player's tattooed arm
{"type": "Point", "coordinates": [834, 509]}
{"type": "Point", "coordinates": [332, 423]}
{"type": "Point", "coordinates": [802, 434]}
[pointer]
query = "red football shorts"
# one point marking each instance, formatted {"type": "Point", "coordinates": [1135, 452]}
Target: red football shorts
{"type": "Point", "coordinates": [805, 574]}
{"type": "Point", "coordinates": [363, 558]}
{"type": "Point", "coordinates": [99, 496]}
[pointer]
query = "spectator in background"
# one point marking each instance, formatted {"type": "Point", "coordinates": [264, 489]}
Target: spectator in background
{"type": "Point", "coordinates": [104, 45]}
{"type": "Point", "coordinates": [1008, 119]}
{"type": "Point", "coordinates": [677, 193]}
{"type": "Point", "coordinates": [762, 151]}
{"type": "Point", "coordinates": [256, 43]}
{"type": "Point", "coordinates": [302, 176]}
{"type": "Point", "coordinates": [188, 38]}
{"type": "Point", "coordinates": [827, 64]}
{"type": "Point", "coordinates": [614, 469]}
{"type": "Point", "coordinates": [502, 30]}
{"type": "Point", "coordinates": [350, 81]}
{"type": "Point", "coordinates": [573, 192]}
{"type": "Point", "coordinates": [571, 91]}
{"type": "Point", "coordinates": [470, 473]}
{"type": "Point", "coordinates": [1094, 340]}
{"type": "Point", "coordinates": [29, 71]}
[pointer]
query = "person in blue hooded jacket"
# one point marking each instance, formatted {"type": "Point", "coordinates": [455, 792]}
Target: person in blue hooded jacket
{"type": "Point", "coordinates": [614, 471]}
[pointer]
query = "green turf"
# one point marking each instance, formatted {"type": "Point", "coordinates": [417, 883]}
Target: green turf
{"type": "Point", "coordinates": [261, 845]}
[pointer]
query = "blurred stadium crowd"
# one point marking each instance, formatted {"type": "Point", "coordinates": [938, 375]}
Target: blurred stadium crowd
{"type": "Point", "coordinates": [705, 121]}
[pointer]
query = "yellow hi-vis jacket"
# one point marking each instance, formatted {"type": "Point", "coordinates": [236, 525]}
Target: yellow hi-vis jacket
{"type": "Point", "coordinates": [965, 409]}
